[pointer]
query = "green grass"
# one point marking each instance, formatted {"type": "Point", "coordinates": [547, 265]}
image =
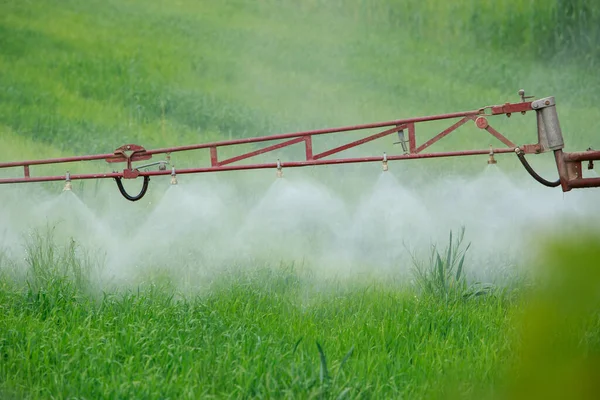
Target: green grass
{"type": "Point", "coordinates": [250, 334]}
{"type": "Point", "coordinates": [88, 76]}
{"type": "Point", "coordinates": [283, 332]}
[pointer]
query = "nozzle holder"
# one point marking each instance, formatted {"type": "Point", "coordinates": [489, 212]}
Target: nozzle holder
{"type": "Point", "coordinates": [68, 185]}
{"type": "Point", "coordinates": [384, 163]}
{"type": "Point", "coordinates": [279, 169]}
{"type": "Point", "coordinates": [491, 159]}
{"type": "Point", "coordinates": [173, 176]}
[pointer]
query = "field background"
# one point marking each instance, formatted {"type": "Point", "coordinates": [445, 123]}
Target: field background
{"type": "Point", "coordinates": [87, 76]}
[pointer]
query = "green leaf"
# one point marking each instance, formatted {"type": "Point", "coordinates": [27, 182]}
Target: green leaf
{"type": "Point", "coordinates": [346, 357]}
{"type": "Point", "coordinates": [460, 267]}
{"type": "Point", "coordinates": [296, 345]}
{"type": "Point", "coordinates": [324, 374]}
{"type": "Point", "coordinates": [449, 255]}
{"type": "Point", "coordinates": [343, 394]}
{"type": "Point", "coordinates": [440, 270]}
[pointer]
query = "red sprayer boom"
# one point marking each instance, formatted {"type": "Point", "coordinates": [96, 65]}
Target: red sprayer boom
{"type": "Point", "coordinates": [549, 139]}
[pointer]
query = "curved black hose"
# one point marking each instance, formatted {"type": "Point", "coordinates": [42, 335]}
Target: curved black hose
{"type": "Point", "coordinates": [140, 194]}
{"type": "Point", "coordinates": [534, 174]}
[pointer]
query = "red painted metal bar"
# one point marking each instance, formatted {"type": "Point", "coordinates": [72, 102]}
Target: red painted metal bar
{"type": "Point", "coordinates": [135, 153]}
{"type": "Point", "coordinates": [308, 147]}
{"type": "Point", "coordinates": [60, 160]}
{"type": "Point", "coordinates": [223, 143]}
{"type": "Point", "coordinates": [261, 151]}
{"type": "Point", "coordinates": [63, 177]}
{"type": "Point", "coordinates": [583, 183]}
{"type": "Point", "coordinates": [441, 135]}
{"type": "Point", "coordinates": [291, 164]}
{"type": "Point", "coordinates": [412, 140]}
{"type": "Point", "coordinates": [214, 161]}
{"type": "Point", "coordinates": [590, 155]}
{"type": "Point", "coordinates": [312, 132]}
{"type": "Point", "coordinates": [295, 164]}
{"type": "Point", "coordinates": [500, 136]}
{"type": "Point", "coordinates": [358, 142]}
{"type": "Point", "coordinates": [510, 108]}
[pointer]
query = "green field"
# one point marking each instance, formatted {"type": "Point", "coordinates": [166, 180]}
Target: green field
{"type": "Point", "coordinates": [81, 77]}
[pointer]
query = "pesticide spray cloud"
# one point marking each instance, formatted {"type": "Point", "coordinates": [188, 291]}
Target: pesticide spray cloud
{"type": "Point", "coordinates": [206, 225]}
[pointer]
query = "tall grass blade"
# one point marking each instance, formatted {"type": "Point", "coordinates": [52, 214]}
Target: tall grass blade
{"type": "Point", "coordinates": [343, 394]}
{"type": "Point", "coordinates": [459, 272]}
{"type": "Point", "coordinates": [440, 271]}
{"type": "Point", "coordinates": [296, 345]}
{"type": "Point", "coordinates": [449, 255]}
{"type": "Point", "coordinates": [346, 358]}
{"type": "Point", "coordinates": [460, 267]}
{"type": "Point", "coordinates": [324, 374]}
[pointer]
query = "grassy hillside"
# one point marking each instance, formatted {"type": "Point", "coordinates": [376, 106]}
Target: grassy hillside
{"type": "Point", "coordinates": [90, 76]}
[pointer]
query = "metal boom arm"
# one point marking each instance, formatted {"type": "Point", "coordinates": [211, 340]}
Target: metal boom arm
{"type": "Point", "coordinates": [549, 139]}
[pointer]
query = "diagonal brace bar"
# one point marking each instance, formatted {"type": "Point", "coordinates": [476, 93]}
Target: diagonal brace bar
{"type": "Point", "coordinates": [261, 151]}
{"type": "Point", "coordinates": [500, 136]}
{"type": "Point", "coordinates": [359, 142]}
{"type": "Point", "coordinates": [442, 134]}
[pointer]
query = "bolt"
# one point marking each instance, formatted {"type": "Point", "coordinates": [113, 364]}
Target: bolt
{"type": "Point", "coordinates": [547, 102]}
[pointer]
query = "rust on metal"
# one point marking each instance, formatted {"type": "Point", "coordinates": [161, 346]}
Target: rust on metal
{"type": "Point", "coordinates": [214, 161]}
{"type": "Point", "coordinates": [499, 136]}
{"type": "Point", "coordinates": [412, 140]}
{"type": "Point", "coordinates": [509, 108]}
{"type": "Point", "coordinates": [260, 151]}
{"type": "Point", "coordinates": [481, 122]}
{"type": "Point", "coordinates": [441, 135]}
{"type": "Point", "coordinates": [358, 142]}
{"type": "Point", "coordinates": [549, 138]}
{"type": "Point", "coordinates": [308, 147]}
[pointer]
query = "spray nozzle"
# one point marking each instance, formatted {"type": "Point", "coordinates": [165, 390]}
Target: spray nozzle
{"type": "Point", "coordinates": [173, 176]}
{"type": "Point", "coordinates": [491, 159]}
{"type": "Point", "coordinates": [68, 185]}
{"type": "Point", "coordinates": [385, 162]}
{"type": "Point", "coordinates": [279, 169]}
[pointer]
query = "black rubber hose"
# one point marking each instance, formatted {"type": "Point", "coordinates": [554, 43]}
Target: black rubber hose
{"type": "Point", "coordinates": [140, 194]}
{"type": "Point", "coordinates": [534, 174]}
